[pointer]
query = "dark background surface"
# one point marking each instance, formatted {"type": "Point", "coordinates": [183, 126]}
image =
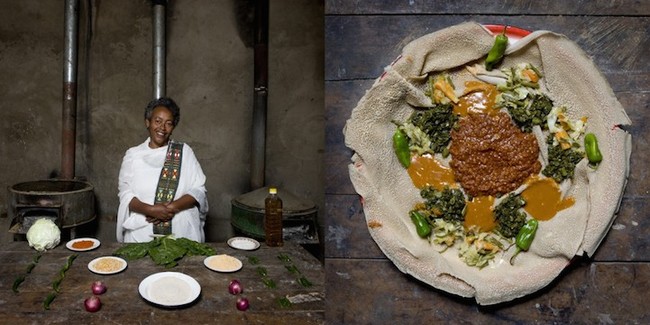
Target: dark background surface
{"type": "Point", "coordinates": [363, 286]}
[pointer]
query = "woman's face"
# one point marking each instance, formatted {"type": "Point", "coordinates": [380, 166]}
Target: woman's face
{"type": "Point", "coordinates": [160, 126]}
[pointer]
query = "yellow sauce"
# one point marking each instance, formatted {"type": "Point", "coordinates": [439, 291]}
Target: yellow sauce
{"type": "Point", "coordinates": [427, 171]}
{"type": "Point", "coordinates": [479, 97]}
{"type": "Point", "coordinates": [479, 213]}
{"type": "Point", "coordinates": [544, 199]}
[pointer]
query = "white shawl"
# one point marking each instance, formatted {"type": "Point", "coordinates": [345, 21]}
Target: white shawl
{"type": "Point", "coordinates": [139, 177]}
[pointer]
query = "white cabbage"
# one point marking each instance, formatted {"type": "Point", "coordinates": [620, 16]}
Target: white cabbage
{"type": "Point", "coordinates": [43, 235]}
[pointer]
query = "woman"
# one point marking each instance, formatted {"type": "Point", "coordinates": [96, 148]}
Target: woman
{"type": "Point", "coordinates": [161, 183]}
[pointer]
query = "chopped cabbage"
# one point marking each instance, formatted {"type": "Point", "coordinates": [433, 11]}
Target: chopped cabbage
{"type": "Point", "coordinates": [43, 235]}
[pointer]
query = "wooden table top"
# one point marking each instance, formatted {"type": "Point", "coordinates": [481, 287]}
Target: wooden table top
{"type": "Point", "coordinates": [363, 37]}
{"type": "Point", "coordinates": [122, 303]}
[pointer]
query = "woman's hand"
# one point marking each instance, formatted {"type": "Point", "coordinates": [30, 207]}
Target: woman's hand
{"type": "Point", "coordinates": [161, 212]}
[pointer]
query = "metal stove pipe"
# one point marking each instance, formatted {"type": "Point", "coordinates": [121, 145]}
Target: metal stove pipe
{"type": "Point", "coordinates": [159, 58]}
{"type": "Point", "coordinates": [261, 68]}
{"type": "Point", "coordinates": [69, 121]}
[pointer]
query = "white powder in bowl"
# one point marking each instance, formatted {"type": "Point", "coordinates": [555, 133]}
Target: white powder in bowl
{"type": "Point", "coordinates": [224, 262]}
{"type": "Point", "coordinates": [170, 290]}
{"type": "Point", "coordinates": [243, 244]}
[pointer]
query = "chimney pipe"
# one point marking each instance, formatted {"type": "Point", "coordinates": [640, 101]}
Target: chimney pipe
{"type": "Point", "coordinates": [159, 58]}
{"type": "Point", "coordinates": [261, 39]}
{"type": "Point", "coordinates": [69, 120]}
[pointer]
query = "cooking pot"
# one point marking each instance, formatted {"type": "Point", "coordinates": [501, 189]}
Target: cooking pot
{"type": "Point", "coordinates": [299, 216]}
{"type": "Point", "coordinates": [69, 203]}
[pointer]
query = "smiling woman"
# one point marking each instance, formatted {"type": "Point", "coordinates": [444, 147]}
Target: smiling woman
{"type": "Point", "coordinates": [161, 183]}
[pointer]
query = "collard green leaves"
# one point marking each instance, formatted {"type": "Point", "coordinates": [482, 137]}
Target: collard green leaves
{"type": "Point", "coordinates": [166, 251]}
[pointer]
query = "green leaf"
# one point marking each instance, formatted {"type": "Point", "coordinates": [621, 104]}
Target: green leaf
{"type": "Point", "coordinates": [284, 302]}
{"type": "Point", "coordinates": [304, 282]}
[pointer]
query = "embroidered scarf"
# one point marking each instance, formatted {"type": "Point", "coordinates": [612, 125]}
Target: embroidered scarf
{"type": "Point", "coordinates": [168, 182]}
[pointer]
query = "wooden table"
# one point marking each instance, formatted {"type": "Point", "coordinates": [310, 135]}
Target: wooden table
{"type": "Point", "coordinates": [362, 37]}
{"type": "Point", "coordinates": [122, 304]}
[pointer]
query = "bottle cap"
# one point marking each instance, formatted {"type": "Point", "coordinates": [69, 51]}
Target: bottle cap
{"type": "Point", "coordinates": [273, 190]}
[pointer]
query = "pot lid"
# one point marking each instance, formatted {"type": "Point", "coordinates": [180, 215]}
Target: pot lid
{"type": "Point", "coordinates": [290, 203]}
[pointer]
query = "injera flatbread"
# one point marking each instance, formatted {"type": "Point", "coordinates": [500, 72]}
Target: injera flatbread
{"type": "Point", "coordinates": [570, 79]}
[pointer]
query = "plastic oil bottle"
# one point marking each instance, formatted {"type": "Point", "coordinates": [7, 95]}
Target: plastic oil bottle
{"type": "Point", "coordinates": [273, 218]}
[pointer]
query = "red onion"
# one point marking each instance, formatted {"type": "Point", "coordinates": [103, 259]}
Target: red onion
{"type": "Point", "coordinates": [235, 287]}
{"type": "Point", "coordinates": [242, 304]}
{"type": "Point", "coordinates": [98, 287]}
{"type": "Point", "coordinates": [92, 304]}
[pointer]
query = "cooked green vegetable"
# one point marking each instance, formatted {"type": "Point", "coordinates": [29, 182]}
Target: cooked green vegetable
{"type": "Point", "coordinates": [525, 237]}
{"type": "Point", "coordinates": [165, 250]}
{"type": "Point", "coordinates": [441, 90]}
{"type": "Point", "coordinates": [437, 123]}
{"type": "Point", "coordinates": [448, 204]}
{"type": "Point", "coordinates": [592, 150]}
{"type": "Point", "coordinates": [509, 216]}
{"type": "Point", "coordinates": [497, 51]}
{"type": "Point", "coordinates": [401, 147]}
{"type": "Point", "coordinates": [421, 225]}
{"type": "Point", "coordinates": [446, 233]}
{"type": "Point", "coordinates": [523, 99]}
{"type": "Point", "coordinates": [534, 111]}
{"type": "Point", "coordinates": [479, 248]}
{"type": "Point", "coordinates": [561, 162]}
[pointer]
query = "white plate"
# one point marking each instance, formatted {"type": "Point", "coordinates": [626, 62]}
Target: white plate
{"type": "Point", "coordinates": [119, 263]}
{"type": "Point", "coordinates": [223, 263]}
{"type": "Point", "coordinates": [96, 244]}
{"type": "Point", "coordinates": [243, 243]}
{"type": "Point", "coordinates": [169, 289]}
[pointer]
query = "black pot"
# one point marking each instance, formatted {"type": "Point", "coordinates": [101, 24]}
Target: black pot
{"type": "Point", "coordinates": [69, 203]}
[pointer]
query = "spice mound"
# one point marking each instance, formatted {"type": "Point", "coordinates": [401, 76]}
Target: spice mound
{"type": "Point", "coordinates": [83, 244]}
{"type": "Point", "coordinates": [491, 156]}
{"type": "Point", "coordinates": [107, 265]}
{"type": "Point", "coordinates": [223, 263]}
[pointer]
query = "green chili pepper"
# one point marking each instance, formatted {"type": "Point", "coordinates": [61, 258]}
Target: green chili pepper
{"type": "Point", "coordinates": [421, 225]}
{"type": "Point", "coordinates": [262, 271]}
{"type": "Point", "coordinates": [525, 237]}
{"type": "Point", "coordinates": [284, 302]}
{"type": "Point", "coordinates": [48, 300]}
{"type": "Point", "coordinates": [30, 267]}
{"type": "Point", "coordinates": [292, 269]}
{"type": "Point", "coordinates": [56, 285]}
{"type": "Point", "coordinates": [269, 283]}
{"type": "Point", "coordinates": [17, 283]}
{"type": "Point", "coordinates": [284, 258]}
{"type": "Point", "coordinates": [591, 148]}
{"type": "Point", "coordinates": [253, 260]}
{"type": "Point", "coordinates": [304, 282]}
{"type": "Point", "coordinates": [401, 146]}
{"type": "Point", "coordinates": [497, 51]}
